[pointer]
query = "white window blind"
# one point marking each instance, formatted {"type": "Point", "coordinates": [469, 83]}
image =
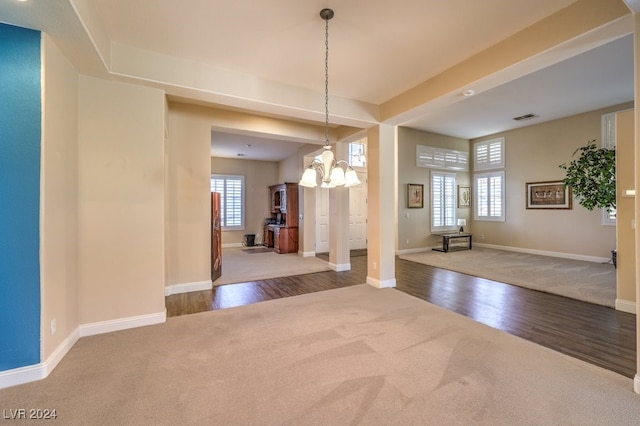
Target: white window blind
{"type": "Point", "coordinates": [608, 126]}
{"type": "Point", "coordinates": [231, 189]}
{"type": "Point", "coordinates": [489, 154]}
{"type": "Point", "coordinates": [489, 190]}
{"type": "Point", "coordinates": [440, 158]}
{"type": "Point", "coordinates": [443, 201]}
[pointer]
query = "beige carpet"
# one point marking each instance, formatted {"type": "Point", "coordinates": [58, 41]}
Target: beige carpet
{"type": "Point", "coordinates": [587, 281]}
{"type": "Point", "coordinates": [240, 266]}
{"type": "Point", "coordinates": [354, 355]}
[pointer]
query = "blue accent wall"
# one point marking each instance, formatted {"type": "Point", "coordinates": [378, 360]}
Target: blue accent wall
{"type": "Point", "coordinates": [20, 134]}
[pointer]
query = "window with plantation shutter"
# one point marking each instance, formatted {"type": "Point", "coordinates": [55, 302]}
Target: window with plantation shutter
{"type": "Point", "coordinates": [488, 154]}
{"type": "Point", "coordinates": [231, 189]}
{"type": "Point", "coordinates": [489, 196]}
{"type": "Point", "coordinates": [443, 201]}
{"type": "Point", "coordinates": [440, 158]}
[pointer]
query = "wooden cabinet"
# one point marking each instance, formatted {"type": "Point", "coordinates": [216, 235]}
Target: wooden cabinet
{"type": "Point", "coordinates": [285, 240]}
{"type": "Point", "coordinates": [284, 207]}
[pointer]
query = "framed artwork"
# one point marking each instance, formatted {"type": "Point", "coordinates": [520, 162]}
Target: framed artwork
{"type": "Point", "coordinates": [415, 195]}
{"type": "Point", "coordinates": [548, 195]}
{"type": "Point", "coordinates": [464, 196]}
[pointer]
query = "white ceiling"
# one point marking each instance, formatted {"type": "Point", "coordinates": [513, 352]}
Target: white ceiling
{"type": "Point", "coordinates": [378, 50]}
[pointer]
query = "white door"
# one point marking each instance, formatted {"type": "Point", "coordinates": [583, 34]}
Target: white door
{"type": "Point", "coordinates": [322, 220]}
{"type": "Point", "coordinates": [358, 214]}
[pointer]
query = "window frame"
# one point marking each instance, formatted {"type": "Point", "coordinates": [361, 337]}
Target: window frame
{"type": "Point", "coordinates": [224, 217]}
{"type": "Point", "coordinates": [476, 191]}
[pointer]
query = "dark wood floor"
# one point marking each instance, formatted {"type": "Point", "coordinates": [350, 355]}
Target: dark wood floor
{"type": "Point", "coordinates": [596, 334]}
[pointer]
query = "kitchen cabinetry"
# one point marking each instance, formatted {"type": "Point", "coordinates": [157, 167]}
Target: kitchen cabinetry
{"type": "Point", "coordinates": [283, 234]}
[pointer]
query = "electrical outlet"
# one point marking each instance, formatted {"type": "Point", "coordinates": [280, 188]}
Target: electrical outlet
{"type": "Point", "coordinates": [407, 242]}
{"type": "Point", "coordinates": [374, 265]}
{"type": "Point", "coordinates": [53, 326]}
{"type": "Point", "coordinates": [482, 236]}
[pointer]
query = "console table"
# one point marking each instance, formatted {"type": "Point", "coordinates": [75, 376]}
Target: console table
{"type": "Point", "coordinates": [446, 239]}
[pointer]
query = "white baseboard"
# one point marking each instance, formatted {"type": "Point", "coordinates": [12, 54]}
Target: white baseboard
{"type": "Point", "coordinates": [546, 253]}
{"type": "Point", "coordinates": [381, 284]}
{"type": "Point", "coordinates": [413, 250]}
{"type": "Point", "coordinates": [573, 256]}
{"type": "Point", "coordinates": [626, 306]}
{"type": "Point", "coordinates": [340, 267]}
{"type": "Point", "coordinates": [32, 373]}
{"type": "Point", "coordinates": [307, 253]}
{"type": "Point", "coordinates": [229, 245]}
{"type": "Point", "coordinates": [187, 287]}
{"type": "Point", "coordinates": [122, 324]}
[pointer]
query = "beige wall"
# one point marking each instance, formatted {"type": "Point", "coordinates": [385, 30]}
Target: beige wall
{"type": "Point", "coordinates": [533, 154]}
{"type": "Point", "coordinates": [414, 230]}
{"type": "Point", "coordinates": [258, 176]}
{"type": "Point", "coordinates": [59, 201]}
{"type": "Point", "coordinates": [189, 223]}
{"type": "Point", "coordinates": [625, 153]}
{"type": "Point", "coordinates": [120, 200]}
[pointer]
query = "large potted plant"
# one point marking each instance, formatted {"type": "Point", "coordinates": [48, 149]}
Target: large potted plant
{"type": "Point", "coordinates": [592, 178]}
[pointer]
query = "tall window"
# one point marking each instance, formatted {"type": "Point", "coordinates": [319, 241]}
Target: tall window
{"type": "Point", "coordinates": [489, 196]}
{"type": "Point", "coordinates": [489, 185]}
{"type": "Point", "coordinates": [609, 141]}
{"type": "Point", "coordinates": [443, 201]}
{"type": "Point", "coordinates": [357, 154]}
{"type": "Point", "coordinates": [231, 189]}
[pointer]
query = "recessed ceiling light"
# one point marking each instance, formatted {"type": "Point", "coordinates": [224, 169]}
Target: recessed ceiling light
{"type": "Point", "coordinates": [469, 92]}
{"type": "Point", "coordinates": [241, 155]}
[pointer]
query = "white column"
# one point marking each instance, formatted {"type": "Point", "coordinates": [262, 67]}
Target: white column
{"type": "Point", "coordinates": [382, 201]}
{"type": "Point", "coordinates": [339, 257]}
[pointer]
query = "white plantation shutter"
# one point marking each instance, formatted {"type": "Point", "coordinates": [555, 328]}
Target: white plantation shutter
{"type": "Point", "coordinates": [489, 154]}
{"type": "Point", "coordinates": [443, 201]}
{"type": "Point", "coordinates": [231, 189]}
{"type": "Point", "coordinates": [441, 158]}
{"type": "Point", "coordinates": [489, 190]}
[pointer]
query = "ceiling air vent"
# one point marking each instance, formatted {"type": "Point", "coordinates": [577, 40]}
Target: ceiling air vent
{"type": "Point", "coordinates": [525, 117]}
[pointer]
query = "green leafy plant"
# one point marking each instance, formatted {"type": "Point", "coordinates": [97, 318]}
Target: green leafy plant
{"type": "Point", "coordinates": [592, 176]}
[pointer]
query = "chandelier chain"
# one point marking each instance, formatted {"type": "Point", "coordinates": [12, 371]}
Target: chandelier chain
{"type": "Point", "coordinates": [326, 81]}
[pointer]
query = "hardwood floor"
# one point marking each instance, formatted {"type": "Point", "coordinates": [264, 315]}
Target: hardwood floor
{"type": "Point", "coordinates": [592, 333]}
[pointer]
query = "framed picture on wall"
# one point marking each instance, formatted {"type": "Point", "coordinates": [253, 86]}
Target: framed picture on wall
{"type": "Point", "coordinates": [415, 195]}
{"type": "Point", "coordinates": [548, 195]}
{"type": "Point", "coordinates": [464, 196]}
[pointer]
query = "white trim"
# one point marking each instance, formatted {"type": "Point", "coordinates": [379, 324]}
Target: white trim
{"type": "Point", "coordinates": [307, 253]}
{"type": "Point", "coordinates": [626, 306]}
{"type": "Point", "coordinates": [413, 250]}
{"type": "Point", "coordinates": [636, 384]}
{"type": "Point", "coordinates": [573, 256]}
{"type": "Point", "coordinates": [381, 284]}
{"type": "Point", "coordinates": [340, 267]}
{"type": "Point", "coordinates": [188, 287]}
{"type": "Point", "coordinates": [230, 245]}
{"type": "Point", "coordinates": [32, 373]}
{"type": "Point", "coordinates": [122, 324]}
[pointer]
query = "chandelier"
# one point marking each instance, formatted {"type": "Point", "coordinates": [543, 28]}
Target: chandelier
{"type": "Point", "coordinates": [332, 173]}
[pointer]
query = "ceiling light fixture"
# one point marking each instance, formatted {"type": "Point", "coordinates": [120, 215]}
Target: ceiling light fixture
{"type": "Point", "coordinates": [469, 92]}
{"type": "Point", "coordinates": [332, 173]}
